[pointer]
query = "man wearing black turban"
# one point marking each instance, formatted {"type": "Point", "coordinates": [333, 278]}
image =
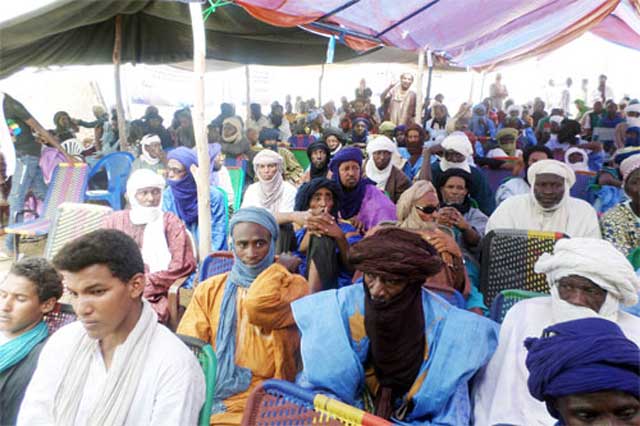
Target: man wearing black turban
{"type": "Point", "coordinates": [411, 351]}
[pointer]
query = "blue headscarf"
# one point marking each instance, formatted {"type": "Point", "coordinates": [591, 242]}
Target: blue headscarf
{"type": "Point", "coordinates": [232, 379]}
{"type": "Point", "coordinates": [16, 349]}
{"type": "Point", "coordinates": [214, 150]}
{"type": "Point", "coordinates": [581, 356]}
{"type": "Point", "coordinates": [184, 190]}
{"type": "Point", "coordinates": [351, 201]}
{"type": "Point", "coordinates": [479, 123]}
{"type": "Point", "coordinates": [363, 137]}
{"type": "Point", "coordinates": [630, 140]}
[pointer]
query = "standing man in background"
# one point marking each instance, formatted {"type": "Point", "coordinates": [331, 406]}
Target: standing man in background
{"type": "Point", "coordinates": [498, 92]}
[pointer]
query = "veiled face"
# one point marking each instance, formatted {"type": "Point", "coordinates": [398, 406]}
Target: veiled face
{"type": "Point", "coordinates": [382, 290]}
{"type": "Point", "coordinates": [149, 197]}
{"type": "Point", "coordinates": [581, 291]}
{"type": "Point", "coordinates": [381, 159]}
{"type": "Point", "coordinates": [611, 408]}
{"type": "Point", "coordinates": [632, 186]}
{"type": "Point", "coordinates": [349, 172]}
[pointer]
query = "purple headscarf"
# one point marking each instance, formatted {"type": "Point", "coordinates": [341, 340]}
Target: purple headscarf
{"type": "Point", "coordinates": [214, 150]}
{"type": "Point", "coordinates": [351, 201]}
{"type": "Point", "coordinates": [581, 356]}
{"type": "Point", "coordinates": [184, 190]}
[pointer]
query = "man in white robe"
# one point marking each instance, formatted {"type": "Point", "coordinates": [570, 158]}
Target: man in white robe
{"type": "Point", "coordinates": [116, 365]}
{"type": "Point", "coordinates": [588, 278]}
{"type": "Point", "coordinates": [549, 206]}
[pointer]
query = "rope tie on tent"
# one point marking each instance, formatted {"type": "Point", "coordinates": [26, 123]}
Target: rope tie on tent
{"type": "Point", "coordinates": [213, 6]}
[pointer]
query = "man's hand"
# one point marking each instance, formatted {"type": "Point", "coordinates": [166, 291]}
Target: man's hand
{"type": "Point", "coordinates": [289, 261]}
{"type": "Point", "coordinates": [450, 216]}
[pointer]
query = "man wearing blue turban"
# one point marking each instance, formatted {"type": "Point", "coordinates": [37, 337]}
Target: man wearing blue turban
{"type": "Point", "coordinates": [587, 372]}
{"type": "Point", "coordinates": [248, 307]}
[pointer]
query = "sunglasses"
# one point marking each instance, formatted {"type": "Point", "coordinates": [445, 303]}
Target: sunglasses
{"type": "Point", "coordinates": [427, 209]}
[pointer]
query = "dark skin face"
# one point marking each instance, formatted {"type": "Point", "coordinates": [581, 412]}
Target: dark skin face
{"type": "Point", "coordinates": [349, 172]}
{"type": "Point", "coordinates": [322, 200]}
{"type": "Point", "coordinates": [155, 123]}
{"type": "Point", "coordinates": [319, 158]}
{"type": "Point", "coordinates": [332, 141]}
{"type": "Point", "coordinates": [549, 189]}
{"type": "Point", "coordinates": [612, 109]}
{"type": "Point", "coordinates": [406, 80]}
{"type": "Point", "coordinates": [576, 157]}
{"type": "Point", "coordinates": [414, 145]}
{"type": "Point", "coordinates": [610, 408]}
{"type": "Point", "coordinates": [149, 197]}
{"type": "Point", "coordinates": [251, 242]}
{"type": "Point", "coordinates": [359, 128]}
{"type": "Point", "coordinates": [381, 159]}
{"type": "Point", "coordinates": [20, 307]}
{"type": "Point", "coordinates": [175, 170]}
{"type": "Point", "coordinates": [535, 157]}
{"type": "Point", "coordinates": [581, 291]}
{"type": "Point", "coordinates": [383, 290]}
{"type": "Point", "coordinates": [632, 187]}
{"type": "Point", "coordinates": [454, 190]}
{"type": "Point", "coordinates": [597, 107]}
{"type": "Point", "coordinates": [453, 156]}
{"type": "Point", "coordinates": [400, 137]}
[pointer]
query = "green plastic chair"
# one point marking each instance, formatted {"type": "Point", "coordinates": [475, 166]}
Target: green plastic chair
{"type": "Point", "coordinates": [301, 156]}
{"type": "Point", "coordinates": [207, 358]}
{"type": "Point", "coordinates": [237, 182]}
{"type": "Point", "coordinates": [506, 299]}
{"type": "Point", "coordinates": [634, 258]}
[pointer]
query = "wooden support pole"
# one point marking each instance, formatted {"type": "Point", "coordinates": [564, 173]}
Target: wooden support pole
{"type": "Point", "coordinates": [419, 98]}
{"type": "Point", "coordinates": [247, 84]}
{"type": "Point", "coordinates": [320, 86]}
{"type": "Point", "coordinates": [199, 130]}
{"type": "Point", "coordinates": [117, 55]}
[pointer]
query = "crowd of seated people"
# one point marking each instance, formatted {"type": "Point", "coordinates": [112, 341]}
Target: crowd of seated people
{"type": "Point", "coordinates": [351, 226]}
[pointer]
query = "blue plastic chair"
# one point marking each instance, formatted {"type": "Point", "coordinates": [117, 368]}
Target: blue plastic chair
{"type": "Point", "coordinates": [581, 188]}
{"type": "Point", "coordinates": [117, 166]}
{"type": "Point", "coordinates": [216, 263]}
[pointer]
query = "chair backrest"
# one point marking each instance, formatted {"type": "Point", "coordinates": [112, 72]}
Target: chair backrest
{"type": "Point", "coordinates": [72, 220]}
{"type": "Point", "coordinates": [216, 263]}
{"type": "Point", "coordinates": [495, 177]}
{"type": "Point", "coordinates": [451, 295]}
{"type": "Point", "coordinates": [117, 165]}
{"type": "Point", "coordinates": [507, 260]}
{"type": "Point", "coordinates": [581, 188]}
{"type": "Point", "coordinates": [68, 184]}
{"type": "Point", "coordinates": [301, 141]}
{"type": "Point", "coordinates": [61, 315]}
{"type": "Point", "coordinates": [207, 359]}
{"type": "Point", "coordinates": [276, 402]}
{"type": "Point", "coordinates": [506, 299]}
{"type": "Point", "coordinates": [301, 156]}
{"type": "Point", "coordinates": [237, 175]}
{"type": "Point", "coordinates": [603, 134]}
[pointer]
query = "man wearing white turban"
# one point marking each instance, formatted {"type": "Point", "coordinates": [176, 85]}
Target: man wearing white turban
{"type": "Point", "coordinates": [152, 156]}
{"type": "Point", "coordinates": [548, 207]}
{"type": "Point", "coordinates": [382, 171]}
{"type": "Point", "coordinates": [458, 154]}
{"type": "Point", "coordinates": [165, 245]}
{"type": "Point", "coordinates": [588, 278]}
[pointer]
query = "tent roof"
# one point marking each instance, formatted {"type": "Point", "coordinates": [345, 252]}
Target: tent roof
{"type": "Point", "coordinates": [71, 32]}
{"type": "Point", "coordinates": [476, 33]}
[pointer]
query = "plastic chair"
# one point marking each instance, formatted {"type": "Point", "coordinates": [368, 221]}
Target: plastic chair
{"type": "Point", "coordinates": [276, 403]}
{"type": "Point", "coordinates": [237, 175]}
{"type": "Point", "coordinates": [581, 188]}
{"type": "Point", "coordinates": [207, 358]}
{"type": "Point", "coordinates": [301, 156]}
{"type": "Point", "coordinates": [118, 166]}
{"type": "Point", "coordinates": [495, 177]}
{"type": "Point", "coordinates": [233, 161]}
{"type": "Point", "coordinates": [68, 184]}
{"type": "Point", "coordinates": [61, 315]}
{"type": "Point", "coordinates": [451, 295]}
{"type": "Point", "coordinates": [216, 263]}
{"type": "Point", "coordinates": [506, 299]}
{"type": "Point", "coordinates": [72, 220]}
{"type": "Point", "coordinates": [301, 141]}
{"type": "Point", "coordinates": [507, 260]}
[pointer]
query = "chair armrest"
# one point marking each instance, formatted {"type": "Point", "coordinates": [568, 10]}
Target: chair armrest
{"type": "Point", "coordinates": [174, 302]}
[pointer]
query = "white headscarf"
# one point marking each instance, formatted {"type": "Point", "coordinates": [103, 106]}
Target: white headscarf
{"type": "Point", "coordinates": [144, 143]}
{"type": "Point", "coordinates": [380, 177]}
{"type": "Point", "coordinates": [458, 142]}
{"type": "Point", "coordinates": [594, 259]}
{"type": "Point", "coordinates": [582, 166]}
{"type": "Point", "coordinates": [271, 190]}
{"type": "Point", "coordinates": [155, 250]}
{"type": "Point", "coordinates": [553, 167]}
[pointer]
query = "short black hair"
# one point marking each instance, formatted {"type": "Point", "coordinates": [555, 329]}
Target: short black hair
{"type": "Point", "coordinates": [114, 249]}
{"type": "Point", "coordinates": [42, 274]}
{"type": "Point", "coordinates": [536, 148]}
